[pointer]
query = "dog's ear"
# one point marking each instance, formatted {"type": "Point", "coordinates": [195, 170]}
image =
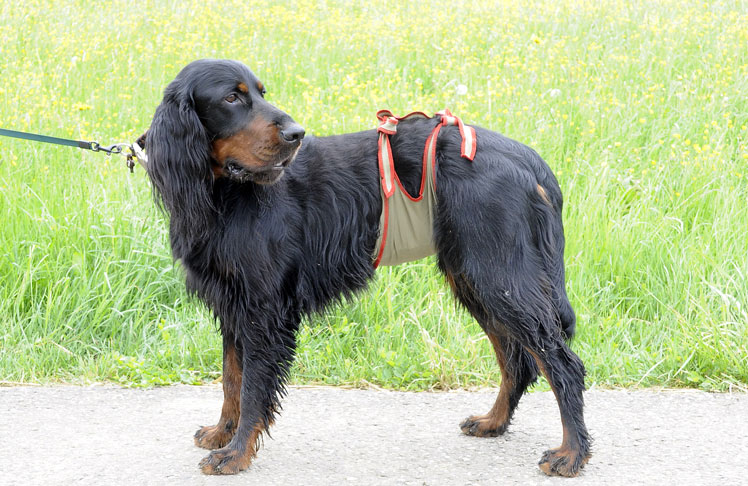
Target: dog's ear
{"type": "Point", "coordinates": [179, 161]}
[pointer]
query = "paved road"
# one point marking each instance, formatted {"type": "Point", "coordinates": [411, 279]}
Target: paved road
{"type": "Point", "coordinates": [108, 435]}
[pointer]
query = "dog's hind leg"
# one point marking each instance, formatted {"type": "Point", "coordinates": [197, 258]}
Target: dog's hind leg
{"type": "Point", "coordinates": [217, 436]}
{"type": "Point", "coordinates": [565, 372]}
{"type": "Point", "coordinates": [515, 308]}
{"type": "Point", "coordinates": [518, 369]}
{"type": "Point", "coordinates": [532, 322]}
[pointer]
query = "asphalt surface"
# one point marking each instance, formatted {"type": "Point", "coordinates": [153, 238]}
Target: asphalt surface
{"type": "Point", "coordinates": [329, 436]}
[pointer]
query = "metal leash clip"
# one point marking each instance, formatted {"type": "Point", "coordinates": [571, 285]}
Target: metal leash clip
{"type": "Point", "coordinates": [117, 148]}
{"type": "Point", "coordinates": [136, 153]}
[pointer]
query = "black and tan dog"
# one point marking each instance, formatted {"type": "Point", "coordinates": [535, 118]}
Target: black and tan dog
{"type": "Point", "coordinates": [270, 230]}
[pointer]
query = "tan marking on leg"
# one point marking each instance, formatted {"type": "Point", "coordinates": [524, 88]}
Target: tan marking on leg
{"type": "Point", "coordinates": [499, 414]}
{"type": "Point", "coordinates": [231, 461]}
{"type": "Point", "coordinates": [496, 420]}
{"type": "Point", "coordinates": [217, 436]}
{"type": "Point", "coordinates": [559, 461]}
{"type": "Point", "coordinates": [451, 281]}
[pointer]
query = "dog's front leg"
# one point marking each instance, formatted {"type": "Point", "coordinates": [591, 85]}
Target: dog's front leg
{"type": "Point", "coordinates": [216, 436]}
{"type": "Point", "coordinates": [267, 353]}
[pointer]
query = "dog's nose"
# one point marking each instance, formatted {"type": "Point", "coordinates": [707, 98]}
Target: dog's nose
{"type": "Point", "coordinates": [292, 133]}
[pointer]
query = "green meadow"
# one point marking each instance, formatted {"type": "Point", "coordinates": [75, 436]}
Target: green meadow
{"type": "Point", "coordinates": [640, 108]}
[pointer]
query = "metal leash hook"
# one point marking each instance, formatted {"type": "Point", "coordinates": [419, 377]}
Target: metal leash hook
{"type": "Point", "coordinates": [110, 149]}
{"type": "Point", "coordinates": [136, 153]}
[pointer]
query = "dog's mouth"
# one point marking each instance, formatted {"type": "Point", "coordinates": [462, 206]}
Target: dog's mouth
{"type": "Point", "coordinates": [268, 174]}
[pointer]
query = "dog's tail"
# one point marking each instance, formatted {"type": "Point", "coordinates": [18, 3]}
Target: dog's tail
{"type": "Point", "coordinates": [550, 240]}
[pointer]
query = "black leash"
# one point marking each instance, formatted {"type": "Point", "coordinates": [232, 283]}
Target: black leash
{"type": "Point", "coordinates": [136, 151]}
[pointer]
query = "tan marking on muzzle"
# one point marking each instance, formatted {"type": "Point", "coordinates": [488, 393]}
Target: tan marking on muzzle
{"type": "Point", "coordinates": [254, 147]}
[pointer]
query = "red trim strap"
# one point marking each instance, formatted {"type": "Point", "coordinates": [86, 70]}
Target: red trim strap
{"type": "Point", "coordinates": [386, 210]}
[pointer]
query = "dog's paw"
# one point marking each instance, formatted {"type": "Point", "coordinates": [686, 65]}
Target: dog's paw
{"type": "Point", "coordinates": [562, 462]}
{"type": "Point", "coordinates": [225, 461]}
{"type": "Point", "coordinates": [213, 436]}
{"type": "Point", "coordinates": [482, 426]}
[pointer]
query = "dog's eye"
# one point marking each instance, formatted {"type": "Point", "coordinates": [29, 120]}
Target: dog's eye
{"type": "Point", "coordinates": [262, 93]}
{"type": "Point", "coordinates": [232, 98]}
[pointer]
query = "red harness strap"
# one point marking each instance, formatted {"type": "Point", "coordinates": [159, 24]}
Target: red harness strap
{"type": "Point", "coordinates": [389, 179]}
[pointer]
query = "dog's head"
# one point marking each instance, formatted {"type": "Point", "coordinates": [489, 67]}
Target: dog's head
{"type": "Point", "coordinates": [251, 140]}
{"type": "Point", "coordinates": [214, 122]}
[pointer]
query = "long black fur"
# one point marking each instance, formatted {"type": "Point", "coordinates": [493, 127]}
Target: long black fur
{"type": "Point", "coordinates": [262, 256]}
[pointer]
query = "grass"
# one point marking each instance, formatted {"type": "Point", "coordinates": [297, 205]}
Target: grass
{"type": "Point", "coordinates": [640, 108]}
